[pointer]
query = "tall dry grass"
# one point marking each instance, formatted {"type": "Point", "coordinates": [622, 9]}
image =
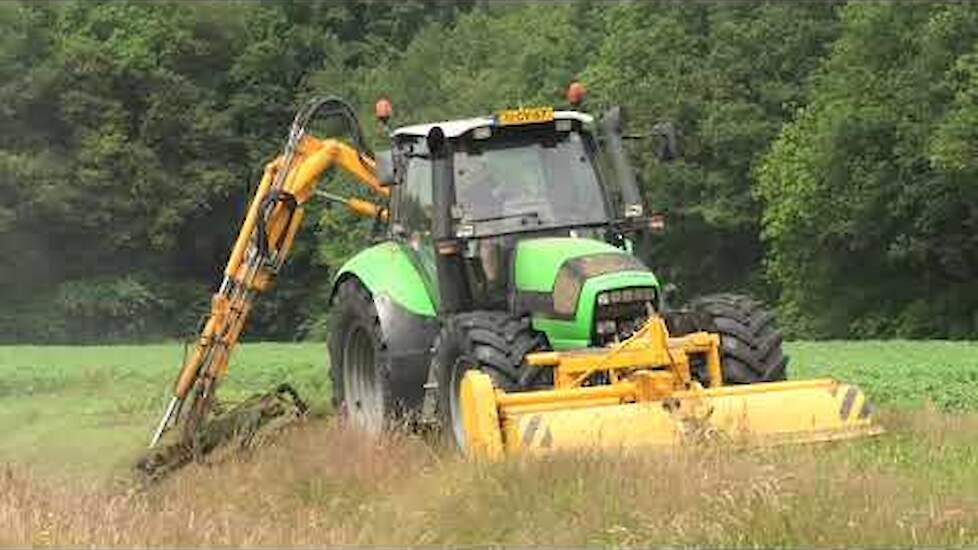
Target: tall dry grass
{"type": "Point", "coordinates": [322, 485]}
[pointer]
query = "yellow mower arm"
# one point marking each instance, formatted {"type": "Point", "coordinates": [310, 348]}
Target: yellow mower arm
{"type": "Point", "coordinates": [260, 249]}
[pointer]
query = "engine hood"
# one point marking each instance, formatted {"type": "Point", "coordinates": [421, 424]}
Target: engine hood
{"type": "Point", "coordinates": [557, 281]}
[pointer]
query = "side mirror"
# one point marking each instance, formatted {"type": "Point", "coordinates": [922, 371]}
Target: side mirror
{"type": "Point", "coordinates": [665, 141]}
{"type": "Point", "coordinates": [384, 167]}
{"type": "Point", "coordinates": [665, 144]}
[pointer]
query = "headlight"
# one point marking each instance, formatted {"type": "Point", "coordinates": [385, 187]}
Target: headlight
{"type": "Point", "coordinates": [620, 312]}
{"type": "Point", "coordinates": [627, 296]}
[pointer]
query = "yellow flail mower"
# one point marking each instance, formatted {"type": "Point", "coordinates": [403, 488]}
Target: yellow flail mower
{"type": "Point", "coordinates": [652, 400]}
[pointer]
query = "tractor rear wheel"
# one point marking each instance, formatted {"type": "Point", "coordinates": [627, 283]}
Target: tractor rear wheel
{"type": "Point", "coordinates": [491, 341]}
{"type": "Point", "coordinates": [359, 370]}
{"type": "Point", "coordinates": [750, 342]}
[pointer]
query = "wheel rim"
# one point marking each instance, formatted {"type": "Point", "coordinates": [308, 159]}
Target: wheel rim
{"type": "Point", "coordinates": [363, 396]}
{"type": "Point", "coordinates": [455, 405]}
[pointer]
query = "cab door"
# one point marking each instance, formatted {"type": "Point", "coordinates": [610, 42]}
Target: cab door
{"type": "Point", "coordinates": [412, 221]}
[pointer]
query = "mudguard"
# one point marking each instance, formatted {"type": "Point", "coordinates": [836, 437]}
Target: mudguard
{"type": "Point", "coordinates": [387, 269]}
{"type": "Point", "coordinates": [406, 311]}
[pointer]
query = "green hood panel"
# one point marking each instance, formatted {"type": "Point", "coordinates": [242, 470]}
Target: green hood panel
{"type": "Point", "coordinates": [558, 280]}
{"type": "Point", "coordinates": [576, 332]}
{"type": "Point", "coordinates": [385, 268]}
{"type": "Point", "coordinates": [538, 260]}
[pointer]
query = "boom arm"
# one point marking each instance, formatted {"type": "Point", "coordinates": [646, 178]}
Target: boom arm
{"type": "Point", "coordinates": [260, 250]}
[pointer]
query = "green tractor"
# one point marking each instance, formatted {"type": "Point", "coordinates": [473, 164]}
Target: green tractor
{"type": "Point", "coordinates": [509, 235]}
{"type": "Point", "coordinates": [506, 306]}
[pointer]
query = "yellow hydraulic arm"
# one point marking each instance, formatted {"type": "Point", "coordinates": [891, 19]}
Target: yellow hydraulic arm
{"type": "Point", "coordinates": [261, 248]}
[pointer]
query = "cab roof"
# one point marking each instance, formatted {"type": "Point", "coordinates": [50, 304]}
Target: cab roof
{"type": "Point", "coordinates": [455, 128]}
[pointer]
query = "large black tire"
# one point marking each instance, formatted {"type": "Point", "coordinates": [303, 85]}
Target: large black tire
{"type": "Point", "coordinates": [491, 341]}
{"type": "Point", "coordinates": [750, 342]}
{"type": "Point", "coordinates": [360, 370]}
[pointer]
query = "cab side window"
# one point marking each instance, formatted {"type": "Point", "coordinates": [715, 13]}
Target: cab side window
{"type": "Point", "coordinates": [415, 214]}
{"type": "Point", "coordinates": [416, 199]}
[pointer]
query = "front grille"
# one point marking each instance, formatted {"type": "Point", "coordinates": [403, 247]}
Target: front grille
{"type": "Point", "coordinates": [619, 313]}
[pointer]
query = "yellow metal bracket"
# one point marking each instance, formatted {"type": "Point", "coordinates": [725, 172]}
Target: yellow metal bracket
{"type": "Point", "coordinates": [650, 348]}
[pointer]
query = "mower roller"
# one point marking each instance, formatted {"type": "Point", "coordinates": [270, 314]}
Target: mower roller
{"type": "Point", "coordinates": [507, 302]}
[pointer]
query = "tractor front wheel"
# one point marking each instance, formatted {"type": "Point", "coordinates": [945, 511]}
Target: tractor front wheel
{"type": "Point", "coordinates": [750, 342]}
{"type": "Point", "coordinates": [490, 341]}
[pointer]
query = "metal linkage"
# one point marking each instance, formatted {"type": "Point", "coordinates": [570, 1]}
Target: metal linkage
{"type": "Point", "coordinates": [261, 261]}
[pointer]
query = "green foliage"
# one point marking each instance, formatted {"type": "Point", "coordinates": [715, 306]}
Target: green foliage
{"type": "Point", "coordinates": [124, 303]}
{"type": "Point", "coordinates": [728, 77]}
{"type": "Point", "coordinates": [870, 203]}
{"type": "Point", "coordinates": [829, 150]}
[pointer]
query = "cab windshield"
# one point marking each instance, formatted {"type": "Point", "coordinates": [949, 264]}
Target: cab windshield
{"type": "Point", "coordinates": [527, 181]}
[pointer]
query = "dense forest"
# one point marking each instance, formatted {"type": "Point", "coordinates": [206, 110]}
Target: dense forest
{"type": "Point", "coordinates": [830, 158]}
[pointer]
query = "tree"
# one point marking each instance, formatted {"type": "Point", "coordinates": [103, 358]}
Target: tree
{"type": "Point", "coordinates": [727, 76]}
{"type": "Point", "coordinates": [869, 205]}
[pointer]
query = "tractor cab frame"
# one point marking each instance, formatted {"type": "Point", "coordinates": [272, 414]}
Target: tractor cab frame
{"type": "Point", "coordinates": [466, 191]}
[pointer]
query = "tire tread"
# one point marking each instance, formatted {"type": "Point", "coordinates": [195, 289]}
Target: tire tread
{"type": "Point", "coordinates": [750, 341]}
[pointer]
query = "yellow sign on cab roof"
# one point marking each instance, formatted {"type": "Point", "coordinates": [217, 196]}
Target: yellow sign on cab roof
{"type": "Point", "coordinates": [529, 115]}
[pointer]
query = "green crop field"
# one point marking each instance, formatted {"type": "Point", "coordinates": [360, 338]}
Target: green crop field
{"type": "Point", "coordinates": [89, 409]}
{"type": "Point", "coordinates": [74, 418]}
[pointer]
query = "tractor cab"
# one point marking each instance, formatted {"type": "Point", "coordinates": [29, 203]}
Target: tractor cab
{"type": "Point", "coordinates": [471, 190]}
{"type": "Point", "coordinates": [509, 179]}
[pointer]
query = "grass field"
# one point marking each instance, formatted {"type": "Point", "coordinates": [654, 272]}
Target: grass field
{"type": "Point", "coordinates": [73, 419]}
